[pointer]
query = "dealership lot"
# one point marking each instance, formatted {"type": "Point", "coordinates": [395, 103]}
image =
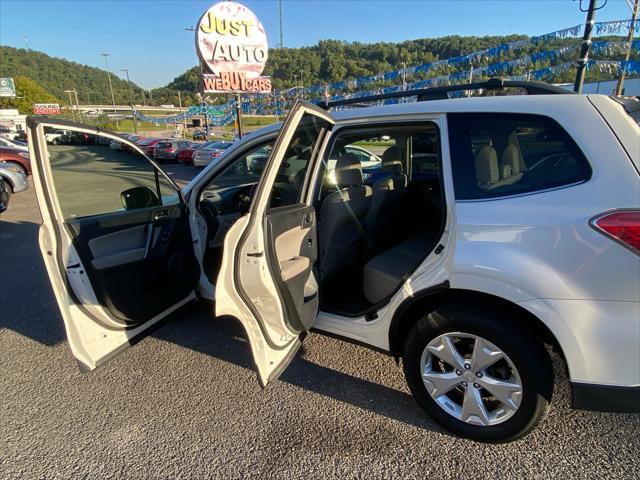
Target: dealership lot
{"type": "Point", "coordinates": [185, 403]}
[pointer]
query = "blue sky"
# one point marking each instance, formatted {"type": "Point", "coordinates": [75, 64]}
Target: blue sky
{"type": "Point", "coordinates": [148, 37]}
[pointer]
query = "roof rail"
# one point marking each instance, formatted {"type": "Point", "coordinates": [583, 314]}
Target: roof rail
{"type": "Point", "coordinates": [441, 93]}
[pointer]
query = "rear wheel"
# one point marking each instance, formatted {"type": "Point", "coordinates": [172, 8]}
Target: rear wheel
{"type": "Point", "coordinates": [477, 374]}
{"type": "Point", "coordinates": [5, 193]}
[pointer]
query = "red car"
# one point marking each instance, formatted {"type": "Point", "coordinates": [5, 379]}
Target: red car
{"type": "Point", "coordinates": [16, 157]}
{"type": "Point", "coordinates": [148, 145]}
{"type": "Point", "coordinates": [185, 155]}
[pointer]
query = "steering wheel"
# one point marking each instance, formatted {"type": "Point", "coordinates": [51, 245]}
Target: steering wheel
{"type": "Point", "coordinates": [277, 196]}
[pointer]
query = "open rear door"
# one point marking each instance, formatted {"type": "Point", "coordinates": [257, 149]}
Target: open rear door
{"type": "Point", "coordinates": [115, 237]}
{"type": "Point", "coordinates": [267, 278]}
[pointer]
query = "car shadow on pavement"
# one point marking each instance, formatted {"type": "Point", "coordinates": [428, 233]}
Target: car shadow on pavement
{"type": "Point", "coordinates": [224, 338]}
{"type": "Point", "coordinates": [26, 300]}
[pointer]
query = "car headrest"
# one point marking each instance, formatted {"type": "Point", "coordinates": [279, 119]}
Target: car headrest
{"type": "Point", "coordinates": [486, 163]}
{"type": "Point", "coordinates": [392, 160]}
{"type": "Point", "coordinates": [511, 159]}
{"type": "Point", "coordinates": [348, 171]}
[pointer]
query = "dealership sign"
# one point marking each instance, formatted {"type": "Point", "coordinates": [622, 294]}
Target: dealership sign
{"type": "Point", "coordinates": [232, 44]}
{"type": "Point", "coordinates": [7, 87]}
{"type": "Point", "coordinates": [46, 109]}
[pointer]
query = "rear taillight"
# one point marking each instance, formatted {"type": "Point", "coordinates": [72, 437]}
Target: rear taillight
{"type": "Point", "coordinates": [623, 226]}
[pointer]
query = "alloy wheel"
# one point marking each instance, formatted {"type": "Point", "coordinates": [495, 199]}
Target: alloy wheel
{"type": "Point", "coordinates": [471, 379]}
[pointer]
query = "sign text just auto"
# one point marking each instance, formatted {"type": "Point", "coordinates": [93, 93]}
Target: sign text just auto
{"type": "Point", "coordinates": [232, 44]}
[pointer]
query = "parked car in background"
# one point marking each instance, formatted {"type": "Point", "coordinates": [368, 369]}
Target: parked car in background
{"type": "Point", "coordinates": [14, 156]}
{"type": "Point", "coordinates": [208, 152]}
{"type": "Point", "coordinates": [5, 194]}
{"type": "Point", "coordinates": [12, 180]}
{"type": "Point", "coordinates": [55, 137]}
{"type": "Point", "coordinates": [185, 154]}
{"type": "Point", "coordinates": [199, 135]}
{"type": "Point", "coordinates": [168, 149]}
{"type": "Point", "coordinates": [9, 133]}
{"type": "Point", "coordinates": [148, 146]}
{"type": "Point", "coordinates": [5, 142]}
{"type": "Point", "coordinates": [132, 138]}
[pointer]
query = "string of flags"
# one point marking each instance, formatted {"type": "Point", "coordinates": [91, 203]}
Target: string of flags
{"type": "Point", "coordinates": [277, 103]}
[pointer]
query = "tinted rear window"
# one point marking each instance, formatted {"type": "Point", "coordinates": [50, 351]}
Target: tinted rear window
{"type": "Point", "coordinates": [164, 144]}
{"type": "Point", "coordinates": [494, 155]}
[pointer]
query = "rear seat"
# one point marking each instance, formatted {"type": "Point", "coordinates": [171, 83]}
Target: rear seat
{"type": "Point", "coordinates": [385, 272]}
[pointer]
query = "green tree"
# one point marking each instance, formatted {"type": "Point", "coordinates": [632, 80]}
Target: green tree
{"type": "Point", "coordinates": [28, 92]}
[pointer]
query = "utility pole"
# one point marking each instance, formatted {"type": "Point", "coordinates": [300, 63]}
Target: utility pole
{"type": "Point", "coordinates": [75, 94]}
{"type": "Point", "coordinates": [133, 114]}
{"type": "Point", "coordinates": [113, 99]}
{"type": "Point", "coordinates": [586, 45]}
{"type": "Point", "coordinates": [620, 85]}
{"type": "Point", "coordinates": [204, 103]}
{"type": "Point", "coordinates": [302, 84]}
{"type": "Point", "coordinates": [73, 114]}
{"type": "Point", "coordinates": [281, 30]}
{"type": "Point", "coordinates": [184, 122]}
{"type": "Point", "coordinates": [404, 75]}
{"type": "Point", "coordinates": [239, 114]}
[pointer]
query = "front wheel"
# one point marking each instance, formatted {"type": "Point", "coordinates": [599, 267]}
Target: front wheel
{"type": "Point", "coordinates": [478, 374]}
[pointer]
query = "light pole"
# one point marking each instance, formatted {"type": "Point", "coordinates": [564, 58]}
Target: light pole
{"type": "Point", "coordinates": [620, 84]}
{"type": "Point", "coordinates": [586, 44]}
{"type": "Point", "coordinates": [113, 99]}
{"type": "Point", "coordinates": [302, 83]}
{"type": "Point", "coordinates": [73, 113]}
{"type": "Point", "coordinates": [135, 124]}
{"type": "Point", "coordinates": [204, 103]}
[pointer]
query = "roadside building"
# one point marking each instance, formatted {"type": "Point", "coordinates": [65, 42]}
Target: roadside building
{"type": "Point", "coordinates": [12, 119]}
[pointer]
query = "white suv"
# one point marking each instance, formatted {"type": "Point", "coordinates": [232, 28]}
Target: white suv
{"type": "Point", "coordinates": [492, 227]}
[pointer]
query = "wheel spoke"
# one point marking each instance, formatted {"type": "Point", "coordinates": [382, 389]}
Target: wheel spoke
{"type": "Point", "coordinates": [507, 393]}
{"type": "Point", "coordinates": [440, 383]}
{"type": "Point", "coordinates": [473, 408]}
{"type": "Point", "coordinates": [445, 350]}
{"type": "Point", "coordinates": [483, 355]}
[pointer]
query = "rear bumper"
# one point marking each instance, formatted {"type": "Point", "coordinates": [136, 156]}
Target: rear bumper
{"type": "Point", "coordinates": [605, 398]}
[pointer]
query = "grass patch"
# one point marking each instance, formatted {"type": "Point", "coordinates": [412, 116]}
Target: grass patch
{"type": "Point", "coordinates": [127, 126]}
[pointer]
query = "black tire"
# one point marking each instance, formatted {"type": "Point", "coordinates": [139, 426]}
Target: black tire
{"type": "Point", "coordinates": [527, 354]}
{"type": "Point", "coordinates": [5, 194]}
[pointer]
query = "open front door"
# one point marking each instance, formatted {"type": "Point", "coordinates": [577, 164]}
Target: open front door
{"type": "Point", "coordinates": [267, 278]}
{"type": "Point", "coordinates": [115, 237]}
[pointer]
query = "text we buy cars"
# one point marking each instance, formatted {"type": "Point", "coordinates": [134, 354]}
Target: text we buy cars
{"type": "Point", "coordinates": [232, 44]}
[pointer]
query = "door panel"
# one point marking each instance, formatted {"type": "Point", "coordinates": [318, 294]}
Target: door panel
{"type": "Point", "coordinates": [115, 237]}
{"type": "Point", "coordinates": [267, 277]}
{"type": "Point", "coordinates": [141, 265]}
{"type": "Point", "coordinates": [292, 234]}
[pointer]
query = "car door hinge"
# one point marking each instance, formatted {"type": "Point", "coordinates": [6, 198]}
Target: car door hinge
{"type": "Point", "coordinates": [439, 249]}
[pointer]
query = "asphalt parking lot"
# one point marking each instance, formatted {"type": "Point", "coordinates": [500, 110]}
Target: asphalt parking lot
{"type": "Point", "coordinates": [185, 403]}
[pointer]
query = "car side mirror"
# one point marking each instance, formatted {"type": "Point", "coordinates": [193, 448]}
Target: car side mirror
{"type": "Point", "coordinates": [139, 197]}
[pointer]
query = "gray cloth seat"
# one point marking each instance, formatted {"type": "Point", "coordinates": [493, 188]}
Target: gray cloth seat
{"type": "Point", "coordinates": [384, 273]}
{"type": "Point", "coordinates": [340, 229]}
{"type": "Point", "coordinates": [384, 218]}
{"type": "Point", "coordinates": [491, 174]}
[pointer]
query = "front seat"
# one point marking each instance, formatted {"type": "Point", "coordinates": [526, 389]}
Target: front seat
{"type": "Point", "coordinates": [383, 222]}
{"type": "Point", "coordinates": [340, 228]}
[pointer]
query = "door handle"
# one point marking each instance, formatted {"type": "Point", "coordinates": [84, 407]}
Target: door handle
{"type": "Point", "coordinates": [307, 218]}
{"type": "Point", "coordinates": [160, 215]}
{"type": "Point", "coordinates": [255, 254]}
